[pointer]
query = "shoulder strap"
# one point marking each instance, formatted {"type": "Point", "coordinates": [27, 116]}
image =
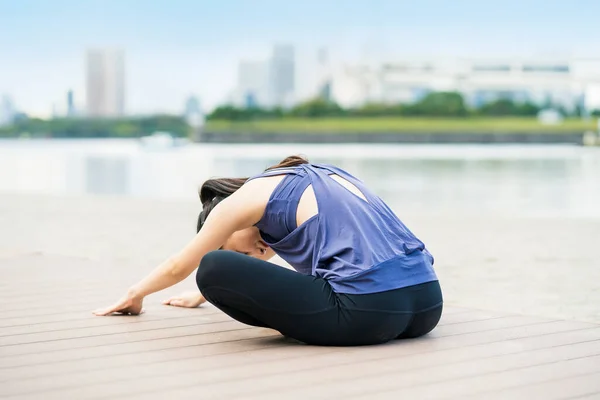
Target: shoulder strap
{"type": "Point", "coordinates": [274, 172]}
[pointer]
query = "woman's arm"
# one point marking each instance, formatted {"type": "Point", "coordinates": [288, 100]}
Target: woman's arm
{"type": "Point", "coordinates": [241, 210]}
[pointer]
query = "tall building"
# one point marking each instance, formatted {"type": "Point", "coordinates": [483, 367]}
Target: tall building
{"type": "Point", "coordinates": [7, 110]}
{"type": "Point", "coordinates": [70, 104]}
{"type": "Point", "coordinates": [105, 95]}
{"type": "Point", "coordinates": [282, 75]}
{"type": "Point", "coordinates": [252, 83]}
{"type": "Point", "coordinates": [193, 113]}
{"type": "Point", "coordinates": [324, 75]}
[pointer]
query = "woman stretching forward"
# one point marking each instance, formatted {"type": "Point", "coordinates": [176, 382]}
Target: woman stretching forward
{"type": "Point", "coordinates": [364, 277]}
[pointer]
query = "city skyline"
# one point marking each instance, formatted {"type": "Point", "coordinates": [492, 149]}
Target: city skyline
{"type": "Point", "coordinates": [184, 48]}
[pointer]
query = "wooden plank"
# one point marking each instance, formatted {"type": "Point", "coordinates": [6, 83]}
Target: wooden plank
{"type": "Point", "coordinates": [54, 291]}
{"type": "Point", "coordinates": [137, 347]}
{"type": "Point", "coordinates": [470, 316]}
{"type": "Point", "coordinates": [85, 314]}
{"type": "Point", "coordinates": [107, 350]}
{"type": "Point", "coordinates": [453, 309]}
{"type": "Point", "coordinates": [41, 347]}
{"type": "Point", "coordinates": [93, 325]}
{"type": "Point", "coordinates": [86, 322]}
{"type": "Point", "coordinates": [83, 307]}
{"type": "Point", "coordinates": [200, 356]}
{"type": "Point", "coordinates": [16, 304]}
{"type": "Point", "coordinates": [583, 386]}
{"type": "Point", "coordinates": [53, 368]}
{"type": "Point", "coordinates": [86, 303]}
{"type": "Point", "coordinates": [157, 371]}
{"type": "Point", "coordinates": [71, 339]}
{"type": "Point", "coordinates": [30, 325]}
{"type": "Point", "coordinates": [64, 318]}
{"type": "Point", "coordinates": [368, 357]}
{"type": "Point", "coordinates": [179, 355]}
{"type": "Point", "coordinates": [483, 385]}
{"type": "Point", "coordinates": [51, 347]}
{"type": "Point", "coordinates": [120, 338]}
{"type": "Point", "coordinates": [329, 378]}
{"type": "Point", "coordinates": [593, 396]}
{"type": "Point", "coordinates": [103, 332]}
{"type": "Point", "coordinates": [391, 378]}
{"type": "Point", "coordinates": [489, 324]}
{"type": "Point", "coordinates": [66, 289]}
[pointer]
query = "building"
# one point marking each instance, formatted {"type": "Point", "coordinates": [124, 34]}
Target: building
{"type": "Point", "coordinates": [7, 111]}
{"type": "Point", "coordinates": [70, 104]}
{"type": "Point", "coordinates": [193, 113]}
{"type": "Point", "coordinates": [252, 85]}
{"type": "Point", "coordinates": [565, 83]}
{"type": "Point", "coordinates": [268, 83]}
{"type": "Point", "coordinates": [282, 75]}
{"type": "Point", "coordinates": [105, 81]}
{"type": "Point", "coordinates": [324, 75]}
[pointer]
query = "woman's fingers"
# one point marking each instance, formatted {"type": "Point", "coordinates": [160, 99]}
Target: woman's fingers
{"type": "Point", "coordinates": [105, 311]}
{"type": "Point", "coordinates": [188, 299]}
{"type": "Point", "coordinates": [125, 306]}
{"type": "Point", "coordinates": [169, 301]}
{"type": "Point", "coordinates": [121, 306]}
{"type": "Point", "coordinates": [174, 301]}
{"type": "Point", "coordinates": [112, 310]}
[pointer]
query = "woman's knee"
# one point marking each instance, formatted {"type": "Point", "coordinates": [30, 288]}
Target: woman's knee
{"type": "Point", "coordinates": [210, 269]}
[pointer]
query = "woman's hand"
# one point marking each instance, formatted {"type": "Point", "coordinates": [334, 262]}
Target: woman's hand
{"type": "Point", "coordinates": [129, 304]}
{"type": "Point", "coordinates": [187, 299]}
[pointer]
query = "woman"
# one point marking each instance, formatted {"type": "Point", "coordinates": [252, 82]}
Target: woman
{"type": "Point", "coordinates": [364, 277]}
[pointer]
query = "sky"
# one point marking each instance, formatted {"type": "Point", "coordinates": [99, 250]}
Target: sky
{"type": "Point", "coordinates": [178, 48]}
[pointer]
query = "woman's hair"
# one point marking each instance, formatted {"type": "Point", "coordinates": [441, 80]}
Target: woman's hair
{"type": "Point", "coordinates": [213, 191]}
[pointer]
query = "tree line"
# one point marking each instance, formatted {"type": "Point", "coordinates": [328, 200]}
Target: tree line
{"type": "Point", "coordinates": [97, 128]}
{"type": "Point", "coordinates": [435, 104]}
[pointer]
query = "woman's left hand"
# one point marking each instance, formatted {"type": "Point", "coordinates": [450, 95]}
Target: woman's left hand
{"type": "Point", "coordinates": [128, 305]}
{"type": "Point", "coordinates": [187, 299]}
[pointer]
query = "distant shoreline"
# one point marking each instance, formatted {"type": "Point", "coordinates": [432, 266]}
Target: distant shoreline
{"type": "Point", "coordinates": [575, 137]}
{"type": "Point", "coordinates": [420, 130]}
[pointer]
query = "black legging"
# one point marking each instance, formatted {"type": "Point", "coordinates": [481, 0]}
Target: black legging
{"type": "Point", "coordinates": [305, 308]}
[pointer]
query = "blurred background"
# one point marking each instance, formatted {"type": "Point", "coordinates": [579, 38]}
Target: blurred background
{"type": "Point", "coordinates": [459, 114]}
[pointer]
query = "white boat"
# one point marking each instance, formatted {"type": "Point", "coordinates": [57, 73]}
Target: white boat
{"type": "Point", "coordinates": [158, 140]}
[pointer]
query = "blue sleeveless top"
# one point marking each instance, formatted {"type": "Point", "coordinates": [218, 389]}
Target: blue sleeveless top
{"type": "Point", "coordinates": [358, 246]}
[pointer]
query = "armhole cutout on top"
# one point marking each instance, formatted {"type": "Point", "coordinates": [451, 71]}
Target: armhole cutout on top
{"type": "Point", "coordinates": [308, 206]}
{"type": "Point", "coordinates": [349, 186]}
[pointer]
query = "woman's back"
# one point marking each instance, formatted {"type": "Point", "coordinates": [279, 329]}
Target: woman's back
{"type": "Point", "coordinates": [352, 238]}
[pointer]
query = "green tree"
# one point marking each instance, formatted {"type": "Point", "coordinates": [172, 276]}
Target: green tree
{"type": "Point", "coordinates": [316, 108]}
{"type": "Point", "coordinates": [378, 110]}
{"type": "Point", "coordinates": [508, 107]}
{"type": "Point", "coordinates": [439, 104]}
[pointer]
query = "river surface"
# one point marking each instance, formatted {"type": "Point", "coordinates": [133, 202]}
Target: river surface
{"type": "Point", "coordinates": [519, 180]}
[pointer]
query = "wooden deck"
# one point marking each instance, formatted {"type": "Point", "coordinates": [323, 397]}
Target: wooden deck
{"type": "Point", "coordinates": [52, 347]}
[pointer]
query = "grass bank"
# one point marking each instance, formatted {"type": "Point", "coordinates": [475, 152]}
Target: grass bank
{"type": "Point", "coordinates": [399, 125]}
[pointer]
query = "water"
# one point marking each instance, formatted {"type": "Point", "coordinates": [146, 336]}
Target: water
{"type": "Point", "coordinates": [521, 180]}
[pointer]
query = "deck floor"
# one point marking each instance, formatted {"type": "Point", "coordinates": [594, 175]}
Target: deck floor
{"type": "Point", "coordinates": [52, 347]}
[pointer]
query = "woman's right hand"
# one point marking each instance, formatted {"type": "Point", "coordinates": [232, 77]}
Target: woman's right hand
{"type": "Point", "coordinates": [130, 304]}
{"type": "Point", "coordinates": [187, 299]}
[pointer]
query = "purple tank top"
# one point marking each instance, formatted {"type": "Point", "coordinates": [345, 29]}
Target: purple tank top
{"type": "Point", "coordinates": [358, 246]}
